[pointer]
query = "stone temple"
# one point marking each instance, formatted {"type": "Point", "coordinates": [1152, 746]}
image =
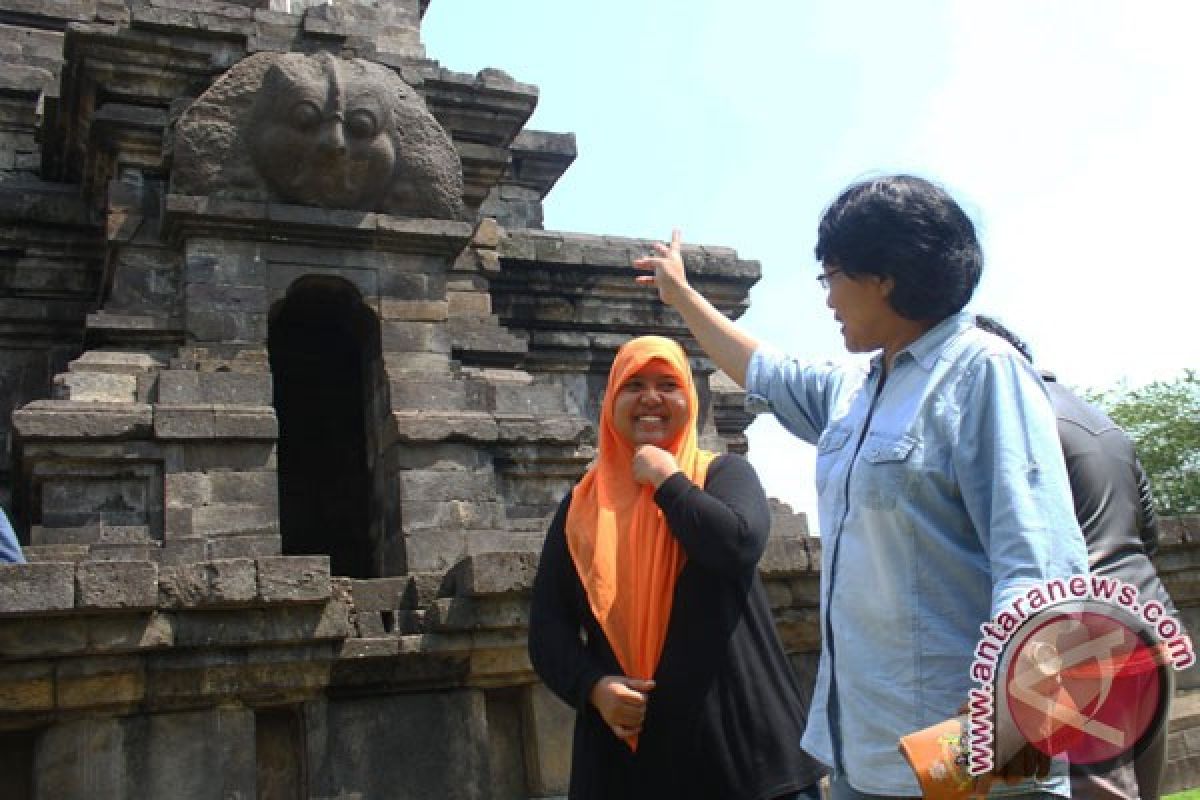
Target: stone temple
{"type": "Point", "coordinates": [292, 378]}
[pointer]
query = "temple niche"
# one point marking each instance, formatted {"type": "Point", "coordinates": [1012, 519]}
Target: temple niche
{"type": "Point", "coordinates": [292, 378]}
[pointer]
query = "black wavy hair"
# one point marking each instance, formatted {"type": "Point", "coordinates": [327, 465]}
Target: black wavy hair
{"type": "Point", "coordinates": [910, 230]}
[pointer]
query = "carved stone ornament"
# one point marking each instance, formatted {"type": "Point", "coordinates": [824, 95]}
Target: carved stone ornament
{"type": "Point", "coordinates": [321, 131]}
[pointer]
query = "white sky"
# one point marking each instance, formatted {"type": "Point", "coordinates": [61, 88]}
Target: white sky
{"type": "Point", "coordinates": [1068, 130]}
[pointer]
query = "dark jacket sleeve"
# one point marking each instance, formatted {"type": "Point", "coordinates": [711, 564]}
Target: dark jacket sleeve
{"type": "Point", "coordinates": [1147, 520]}
{"type": "Point", "coordinates": [724, 526]}
{"type": "Point", "coordinates": [556, 648]}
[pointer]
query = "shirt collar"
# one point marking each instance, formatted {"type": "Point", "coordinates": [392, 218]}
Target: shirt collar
{"type": "Point", "coordinates": [927, 349]}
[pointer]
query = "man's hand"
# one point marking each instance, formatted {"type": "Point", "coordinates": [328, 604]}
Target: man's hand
{"type": "Point", "coordinates": [621, 702]}
{"type": "Point", "coordinates": [669, 275]}
{"type": "Point", "coordinates": [653, 465]}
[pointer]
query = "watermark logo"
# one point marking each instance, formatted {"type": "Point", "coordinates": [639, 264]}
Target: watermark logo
{"type": "Point", "coordinates": [1078, 667]}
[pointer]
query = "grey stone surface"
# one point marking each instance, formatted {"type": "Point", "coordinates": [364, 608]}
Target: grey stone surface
{"type": "Point", "coordinates": [356, 746]}
{"type": "Point", "coordinates": [494, 573]}
{"type": "Point", "coordinates": [221, 582]}
{"type": "Point", "coordinates": [29, 588]}
{"type": "Point", "coordinates": [298, 579]}
{"type": "Point", "coordinates": [116, 585]}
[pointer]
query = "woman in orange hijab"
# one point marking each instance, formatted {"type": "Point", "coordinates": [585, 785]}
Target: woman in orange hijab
{"type": "Point", "coordinates": [648, 614]}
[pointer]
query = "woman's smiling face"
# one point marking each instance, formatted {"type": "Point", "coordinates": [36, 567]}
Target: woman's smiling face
{"type": "Point", "coordinates": [651, 406]}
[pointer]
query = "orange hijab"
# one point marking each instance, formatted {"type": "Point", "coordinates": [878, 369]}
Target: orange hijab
{"type": "Point", "coordinates": [625, 555]}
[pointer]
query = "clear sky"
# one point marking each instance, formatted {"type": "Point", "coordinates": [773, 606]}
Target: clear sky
{"type": "Point", "coordinates": [1068, 130]}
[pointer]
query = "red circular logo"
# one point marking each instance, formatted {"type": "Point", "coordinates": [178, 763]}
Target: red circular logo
{"type": "Point", "coordinates": [1085, 685]}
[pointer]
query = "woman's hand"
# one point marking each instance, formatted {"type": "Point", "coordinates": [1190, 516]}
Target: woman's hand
{"type": "Point", "coordinates": [621, 702]}
{"type": "Point", "coordinates": [669, 275]}
{"type": "Point", "coordinates": [653, 465]}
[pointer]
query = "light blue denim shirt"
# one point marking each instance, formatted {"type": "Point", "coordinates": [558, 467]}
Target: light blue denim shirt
{"type": "Point", "coordinates": [942, 495]}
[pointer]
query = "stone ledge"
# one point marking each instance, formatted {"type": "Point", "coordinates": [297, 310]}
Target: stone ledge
{"type": "Point", "coordinates": [65, 419]}
{"type": "Point", "coordinates": [69, 588]}
{"type": "Point", "coordinates": [191, 215]}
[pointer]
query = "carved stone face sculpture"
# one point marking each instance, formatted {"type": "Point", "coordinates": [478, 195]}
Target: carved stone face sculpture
{"type": "Point", "coordinates": [319, 134]}
{"type": "Point", "coordinates": [318, 130]}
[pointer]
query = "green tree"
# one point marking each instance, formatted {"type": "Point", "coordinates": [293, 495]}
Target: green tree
{"type": "Point", "coordinates": [1163, 419]}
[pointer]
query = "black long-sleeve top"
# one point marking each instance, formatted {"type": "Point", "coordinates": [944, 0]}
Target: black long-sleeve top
{"type": "Point", "coordinates": [725, 718]}
{"type": "Point", "coordinates": [1111, 493]}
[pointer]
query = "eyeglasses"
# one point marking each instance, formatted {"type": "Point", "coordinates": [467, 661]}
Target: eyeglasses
{"type": "Point", "coordinates": [824, 277]}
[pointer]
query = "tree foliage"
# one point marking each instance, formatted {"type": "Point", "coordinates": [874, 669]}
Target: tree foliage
{"type": "Point", "coordinates": [1163, 419]}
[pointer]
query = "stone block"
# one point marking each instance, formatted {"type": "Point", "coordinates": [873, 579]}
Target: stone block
{"type": "Point", "coordinates": [529, 399]}
{"type": "Point", "coordinates": [61, 419]}
{"type": "Point", "coordinates": [433, 551]}
{"type": "Point", "coordinates": [27, 686]}
{"type": "Point", "coordinates": [184, 422]}
{"type": "Point", "coordinates": [187, 489]}
{"type": "Point", "coordinates": [91, 534]}
{"type": "Point", "coordinates": [258, 488]}
{"type": "Point", "coordinates": [779, 594]}
{"type": "Point", "coordinates": [413, 310]}
{"type": "Point", "coordinates": [36, 588]}
{"type": "Point", "coordinates": [431, 486]}
{"type": "Point", "coordinates": [129, 632]}
{"type": "Point", "coordinates": [43, 638]}
{"type": "Point", "coordinates": [234, 518]}
{"type": "Point", "coordinates": [367, 753]}
{"type": "Point", "coordinates": [60, 770]}
{"type": "Point", "coordinates": [177, 524]}
{"type": "Point", "coordinates": [226, 325]}
{"type": "Point", "coordinates": [116, 585]}
{"type": "Point", "coordinates": [440, 456]}
{"type": "Point", "coordinates": [547, 723]}
{"type": "Point", "coordinates": [432, 426]}
{"type": "Point", "coordinates": [221, 582]}
{"type": "Point", "coordinates": [378, 594]}
{"type": "Point", "coordinates": [472, 613]}
{"type": "Point", "coordinates": [370, 624]}
{"type": "Point", "coordinates": [469, 304]}
{"type": "Point", "coordinates": [458, 515]}
{"type": "Point", "coordinates": [188, 550]}
{"type": "Point", "coordinates": [99, 682]}
{"type": "Point", "coordinates": [244, 545]}
{"type": "Point", "coordinates": [95, 387]}
{"type": "Point", "coordinates": [223, 297]}
{"type": "Point", "coordinates": [259, 626]}
{"type": "Point", "coordinates": [421, 589]}
{"type": "Point", "coordinates": [190, 387]}
{"type": "Point", "coordinates": [233, 422]}
{"type": "Point", "coordinates": [382, 647]}
{"type": "Point", "coordinates": [201, 456]}
{"type": "Point", "coordinates": [409, 337]}
{"type": "Point", "coordinates": [494, 573]}
{"type": "Point", "coordinates": [418, 395]}
{"type": "Point", "coordinates": [293, 579]}
{"type": "Point", "coordinates": [784, 558]}
{"type": "Point", "coordinates": [192, 754]}
{"type": "Point", "coordinates": [122, 551]}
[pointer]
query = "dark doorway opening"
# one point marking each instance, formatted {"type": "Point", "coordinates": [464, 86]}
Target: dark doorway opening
{"type": "Point", "coordinates": [324, 347]}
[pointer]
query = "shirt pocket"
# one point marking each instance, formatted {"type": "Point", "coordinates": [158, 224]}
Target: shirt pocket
{"type": "Point", "coordinates": [889, 469]}
{"type": "Point", "coordinates": [830, 449]}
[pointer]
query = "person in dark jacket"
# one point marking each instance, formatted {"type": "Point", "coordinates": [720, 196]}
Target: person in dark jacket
{"type": "Point", "coordinates": [648, 614]}
{"type": "Point", "coordinates": [1116, 513]}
